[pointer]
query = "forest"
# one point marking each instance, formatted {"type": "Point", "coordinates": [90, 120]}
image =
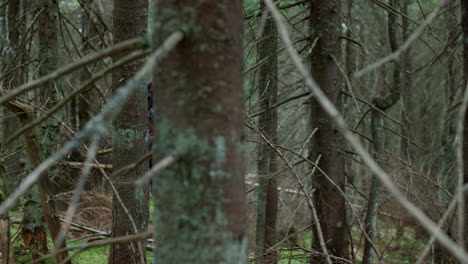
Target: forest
{"type": "Point", "coordinates": [233, 131]}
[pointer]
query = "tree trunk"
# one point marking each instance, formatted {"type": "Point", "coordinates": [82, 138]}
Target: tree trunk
{"type": "Point", "coordinates": [378, 136]}
{"type": "Point", "coordinates": [33, 228]}
{"type": "Point", "coordinates": [267, 202]}
{"type": "Point", "coordinates": [327, 141]}
{"type": "Point", "coordinates": [129, 140]}
{"type": "Point", "coordinates": [12, 168]}
{"type": "Point", "coordinates": [405, 89]}
{"type": "Point", "coordinates": [48, 49]}
{"type": "Point", "coordinates": [406, 106]}
{"type": "Point", "coordinates": [200, 200]}
{"type": "Point", "coordinates": [465, 131]}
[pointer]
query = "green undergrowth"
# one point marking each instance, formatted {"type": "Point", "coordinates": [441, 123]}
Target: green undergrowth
{"type": "Point", "coordinates": [98, 255]}
{"type": "Point", "coordinates": [401, 249]}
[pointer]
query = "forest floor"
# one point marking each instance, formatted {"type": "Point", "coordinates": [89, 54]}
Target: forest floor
{"type": "Point", "coordinates": [396, 250]}
{"type": "Point", "coordinates": [397, 247]}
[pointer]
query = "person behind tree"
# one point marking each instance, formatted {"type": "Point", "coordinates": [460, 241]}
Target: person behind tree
{"type": "Point", "coordinates": [150, 119]}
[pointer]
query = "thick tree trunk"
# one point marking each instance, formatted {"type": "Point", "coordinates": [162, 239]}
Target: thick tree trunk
{"type": "Point", "coordinates": [327, 141]}
{"type": "Point", "coordinates": [129, 140]}
{"type": "Point", "coordinates": [267, 202]}
{"type": "Point", "coordinates": [200, 201]}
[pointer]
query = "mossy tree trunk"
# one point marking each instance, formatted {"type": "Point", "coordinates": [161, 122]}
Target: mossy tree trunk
{"type": "Point", "coordinates": [33, 227]}
{"type": "Point", "coordinates": [48, 55]}
{"type": "Point", "coordinates": [378, 135]}
{"type": "Point", "coordinates": [327, 142]}
{"type": "Point", "coordinates": [267, 201]}
{"type": "Point", "coordinates": [200, 200]}
{"type": "Point", "coordinates": [130, 132]}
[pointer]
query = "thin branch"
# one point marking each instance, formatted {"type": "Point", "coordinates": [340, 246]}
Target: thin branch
{"type": "Point", "coordinates": [395, 55]}
{"type": "Point", "coordinates": [133, 56]}
{"type": "Point", "coordinates": [78, 190]}
{"type": "Point", "coordinates": [118, 48]}
{"type": "Point", "coordinates": [444, 217]}
{"type": "Point", "coordinates": [160, 166]}
{"type": "Point", "coordinates": [303, 189]}
{"type": "Point", "coordinates": [99, 123]}
{"type": "Point", "coordinates": [101, 243]}
{"type": "Point", "coordinates": [339, 121]}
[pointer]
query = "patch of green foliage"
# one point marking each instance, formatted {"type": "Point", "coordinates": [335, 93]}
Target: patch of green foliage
{"type": "Point", "coordinates": [401, 249]}
{"type": "Point", "coordinates": [98, 255]}
{"type": "Point", "coordinates": [92, 256]}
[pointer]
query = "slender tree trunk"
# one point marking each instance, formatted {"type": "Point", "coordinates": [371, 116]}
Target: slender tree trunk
{"type": "Point", "coordinates": [465, 131]}
{"type": "Point", "coordinates": [405, 85]}
{"type": "Point", "coordinates": [33, 228]}
{"type": "Point", "coordinates": [80, 111]}
{"type": "Point", "coordinates": [88, 102]}
{"type": "Point", "coordinates": [267, 201]}
{"type": "Point", "coordinates": [327, 141]}
{"type": "Point", "coordinates": [11, 167]}
{"type": "Point", "coordinates": [407, 106]}
{"type": "Point", "coordinates": [129, 140]}
{"type": "Point", "coordinates": [378, 136]}
{"type": "Point", "coordinates": [200, 201]}
{"type": "Point", "coordinates": [48, 49]}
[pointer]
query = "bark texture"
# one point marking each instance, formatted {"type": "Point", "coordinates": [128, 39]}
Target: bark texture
{"type": "Point", "coordinates": [267, 202]}
{"type": "Point", "coordinates": [129, 140]}
{"type": "Point", "coordinates": [200, 201]}
{"type": "Point", "coordinates": [327, 142]}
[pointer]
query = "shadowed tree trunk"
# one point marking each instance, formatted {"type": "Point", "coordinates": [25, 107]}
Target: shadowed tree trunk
{"type": "Point", "coordinates": [33, 230]}
{"type": "Point", "coordinates": [87, 103]}
{"type": "Point", "coordinates": [200, 201]}
{"type": "Point", "coordinates": [465, 131]}
{"type": "Point", "coordinates": [378, 136]}
{"type": "Point", "coordinates": [11, 167]}
{"type": "Point", "coordinates": [327, 142]}
{"type": "Point", "coordinates": [48, 95]}
{"type": "Point", "coordinates": [449, 179]}
{"type": "Point", "coordinates": [267, 202]}
{"type": "Point", "coordinates": [129, 140]}
{"type": "Point", "coordinates": [407, 105]}
{"type": "Point", "coordinates": [405, 88]}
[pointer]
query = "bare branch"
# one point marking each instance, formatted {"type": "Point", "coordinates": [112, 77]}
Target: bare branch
{"type": "Point", "coordinates": [339, 121]}
{"type": "Point", "coordinates": [98, 124]}
{"type": "Point", "coordinates": [396, 55]}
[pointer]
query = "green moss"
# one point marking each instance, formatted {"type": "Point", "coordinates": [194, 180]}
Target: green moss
{"type": "Point", "coordinates": [191, 223]}
{"type": "Point", "coordinates": [124, 138]}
